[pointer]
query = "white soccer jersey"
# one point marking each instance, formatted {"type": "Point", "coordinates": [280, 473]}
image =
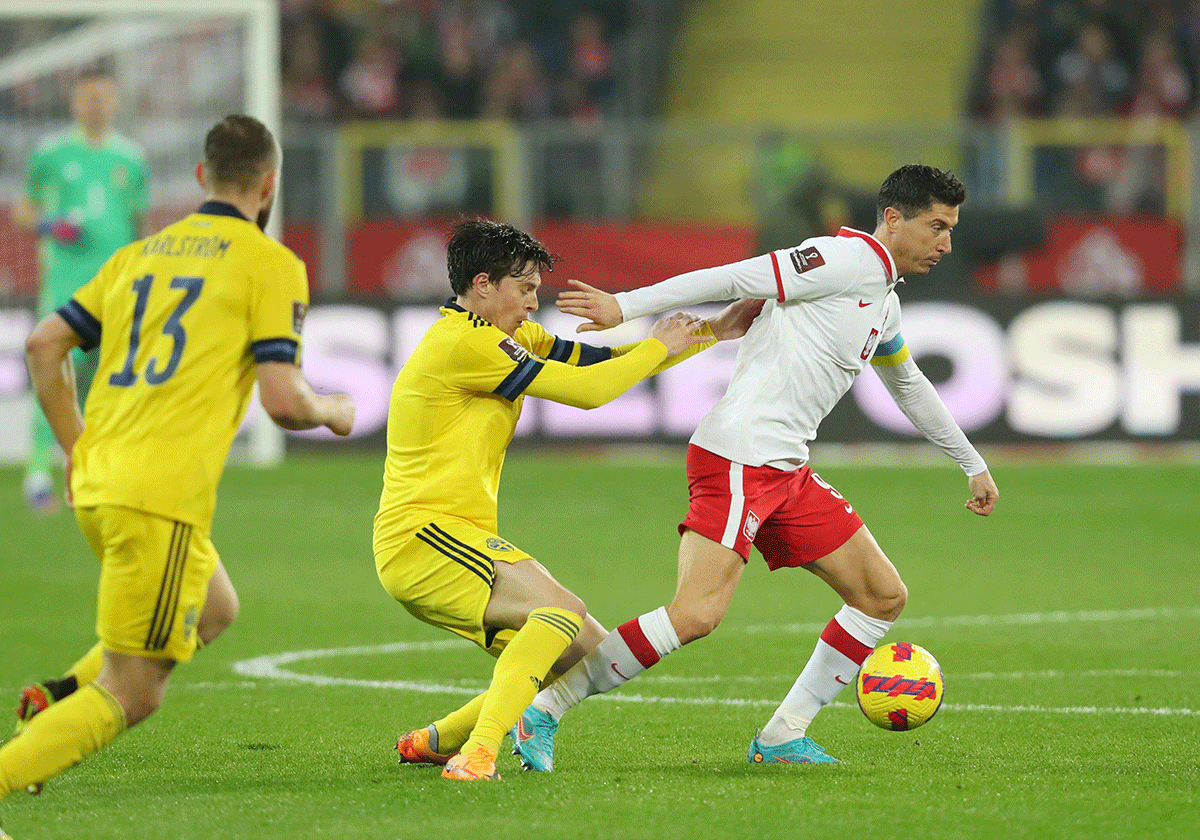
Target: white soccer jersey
{"type": "Point", "coordinates": [830, 308]}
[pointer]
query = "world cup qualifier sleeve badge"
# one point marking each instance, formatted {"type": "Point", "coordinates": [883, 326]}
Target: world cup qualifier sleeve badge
{"type": "Point", "coordinates": [299, 310]}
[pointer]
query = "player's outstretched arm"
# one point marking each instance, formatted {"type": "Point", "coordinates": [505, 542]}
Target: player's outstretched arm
{"type": "Point", "coordinates": [292, 404]}
{"type": "Point", "coordinates": [984, 494]}
{"type": "Point", "coordinates": [599, 308]}
{"type": "Point", "coordinates": [594, 385]}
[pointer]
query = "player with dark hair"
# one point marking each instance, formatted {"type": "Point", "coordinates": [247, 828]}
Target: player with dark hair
{"type": "Point", "coordinates": [831, 307]}
{"type": "Point", "coordinates": [186, 321]}
{"type": "Point", "coordinates": [85, 197]}
{"type": "Point", "coordinates": [454, 408]}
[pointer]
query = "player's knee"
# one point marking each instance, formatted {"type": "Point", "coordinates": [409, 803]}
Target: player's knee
{"type": "Point", "coordinates": [138, 701]}
{"type": "Point", "coordinates": [569, 601]}
{"type": "Point", "coordinates": [889, 603]}
{"type": "Point", "coordinates": [692, 623]}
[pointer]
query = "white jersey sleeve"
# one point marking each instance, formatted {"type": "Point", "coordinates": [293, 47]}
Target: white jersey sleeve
{"type": "Point", "coordinates": [918, 399]}
{"type": "Point", "coordinates": [815, 269]}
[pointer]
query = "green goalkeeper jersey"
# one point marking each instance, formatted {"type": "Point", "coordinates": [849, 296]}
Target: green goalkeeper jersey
{"type": "Point", "coordinates": [102, 189]}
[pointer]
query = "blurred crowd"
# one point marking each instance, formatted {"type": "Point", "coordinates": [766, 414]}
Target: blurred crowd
{"type": "Point", "coordinates": [1087, 58]}
{"type": "Point", "coordinates": [1090, 59]}
{"type": "Point", "coordinates": [451, 59]}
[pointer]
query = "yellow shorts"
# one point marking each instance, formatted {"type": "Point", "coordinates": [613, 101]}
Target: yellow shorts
{"type": "Point", "coordinates": [443, 575]}
{"type": "Point", "coordinates": [154, 575]}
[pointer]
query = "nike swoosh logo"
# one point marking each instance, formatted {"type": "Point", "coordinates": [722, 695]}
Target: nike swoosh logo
{"type": "Point", "coordinates": [522, 735]}
{"type": "Point", "coordinates": [839, 679]}
{"type": "Point", "coordinates": [861, 304]}
{"type": "Point", "coordinates": [618, 673]}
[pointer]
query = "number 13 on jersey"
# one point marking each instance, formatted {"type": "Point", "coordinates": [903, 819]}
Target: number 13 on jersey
{"type": "Point", "coordinates": [173, 328]}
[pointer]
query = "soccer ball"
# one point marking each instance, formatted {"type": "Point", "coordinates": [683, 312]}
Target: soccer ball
{"type": "Point", "coordinates": [900, 686]}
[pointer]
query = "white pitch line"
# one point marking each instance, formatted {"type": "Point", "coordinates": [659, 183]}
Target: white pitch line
{"type": "Point", "coordinates": [983, 675]}
{"type": "Point", "coordinates": [1025, 619]}
{"type": "Point", "coordinates": [272, 667]}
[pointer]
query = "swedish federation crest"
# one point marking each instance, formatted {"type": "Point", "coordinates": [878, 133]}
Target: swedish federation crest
{"type": "Point", "coordinates": [497, 544]}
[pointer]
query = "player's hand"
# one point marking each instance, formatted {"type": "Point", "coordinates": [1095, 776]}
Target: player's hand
{"type": "Point", "coordinates": [599, 308]}
{"type": "Point", "coordinates": [735, 319]}
{"type": "Point", "coordinates": [60, 230]}
{"type": "Point", "coordinates": [983, 492]}
{"type": "Point", "coordinates": [679, 332]}
{"type": "Point", "coordinates": [340, 414]}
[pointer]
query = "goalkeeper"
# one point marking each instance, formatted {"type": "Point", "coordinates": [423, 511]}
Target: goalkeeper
{"type": "Point", "coordinates": [85, 197]}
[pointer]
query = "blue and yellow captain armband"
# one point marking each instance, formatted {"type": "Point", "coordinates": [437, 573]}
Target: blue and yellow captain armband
{"type": "Point", "coordinates": [891, 353]}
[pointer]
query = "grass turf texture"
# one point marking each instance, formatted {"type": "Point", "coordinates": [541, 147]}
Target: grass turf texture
{"type": "Point", "coordinates": [1034, 607]}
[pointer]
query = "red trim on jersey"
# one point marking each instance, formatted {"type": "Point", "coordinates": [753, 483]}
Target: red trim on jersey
{"type": "Point", "coordinates": [876, 246]}
{"type": "Point", "coordinates": [837, 638]}
{"type": "Point", "coordinates": [639, 645]}
{"type": "Point", "coordinates": [778, 276]}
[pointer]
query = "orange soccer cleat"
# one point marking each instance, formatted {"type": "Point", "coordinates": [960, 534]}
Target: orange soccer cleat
{"type": "Point", "coordinates": [475, 766]}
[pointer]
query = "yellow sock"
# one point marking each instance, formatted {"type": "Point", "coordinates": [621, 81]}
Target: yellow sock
{"type": "Point", "coordinates": [88, 667]}
{"type": "Point", "coordinates": [63, 735]}
{"type": "Point", "coordinates": [454, 729]}
{"type": "Point", "coordinates": [519, 673]}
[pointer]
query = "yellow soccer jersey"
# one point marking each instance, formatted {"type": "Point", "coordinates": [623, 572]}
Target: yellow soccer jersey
{"type": "Point", "coordinates": [456, 402]}
{"type": "Point", "coordinates": [181, 319]}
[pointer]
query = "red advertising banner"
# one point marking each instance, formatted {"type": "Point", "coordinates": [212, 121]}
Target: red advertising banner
{"type": "Point", "coordinates": [406, 260]}
{"type": "Point", "coordinates": [18, 252]}
{"type": "Point", "coordinates": [1094, 256]}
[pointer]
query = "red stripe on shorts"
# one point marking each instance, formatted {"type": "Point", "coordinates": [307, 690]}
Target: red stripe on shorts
{"type": "Point", "coordinates": [639, 645]}
{"type": "Point", "coordinates": [837, 638]}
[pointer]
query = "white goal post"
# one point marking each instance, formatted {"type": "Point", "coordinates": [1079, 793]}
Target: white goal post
{"type": "Point", "coordinates": [93, 30]}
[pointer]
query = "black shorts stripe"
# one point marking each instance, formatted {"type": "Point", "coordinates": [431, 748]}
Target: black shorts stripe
{"type": "Point", "coordinates": [431, 541]}
{"type": "Point", "coordinates": [463, 551]}
{"type": "Point", "coordinates": [467, 548]}
{"type": "Point", "coordinates": [177, 590]}
{"type": "Point", "coordinates": [558, 622]}
{"type": "Point", "coordinates": [162, 588]}
{"type": "Point", "coordinates": [176, 587]}
{"type": "Point", "coordinates": [169, 588]}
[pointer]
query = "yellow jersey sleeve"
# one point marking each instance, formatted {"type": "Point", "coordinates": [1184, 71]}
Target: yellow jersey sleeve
{"type": "Point", "coordinates": [594, 385]}
{"type": "Point", "coordinates": [541, 343]}
{"type": "Point", "coordinates": [279, 302]}
{"type": "Point", "coordinates": [486, 360]}
{"type": "Point", "coordinates": [622, 349]}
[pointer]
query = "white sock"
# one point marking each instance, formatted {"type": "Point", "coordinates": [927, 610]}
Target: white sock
{"type": "Point", "coordinates": [844, 645]}
{"type": "Point", "coordinates": [625, 652]}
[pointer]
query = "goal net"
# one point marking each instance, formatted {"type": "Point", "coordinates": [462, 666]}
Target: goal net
{"type": "Point", "coordinates": [179, 67]}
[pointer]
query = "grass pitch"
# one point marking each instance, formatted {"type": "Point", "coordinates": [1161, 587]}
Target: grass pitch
{"type": "Point", "coordinates": [1067, 625]}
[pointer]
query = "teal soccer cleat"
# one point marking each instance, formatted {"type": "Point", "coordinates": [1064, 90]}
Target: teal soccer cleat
{"type": "Point", "coordinates": [533, 740]}
{"type": "Point", "coordinates": [800, 751]}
